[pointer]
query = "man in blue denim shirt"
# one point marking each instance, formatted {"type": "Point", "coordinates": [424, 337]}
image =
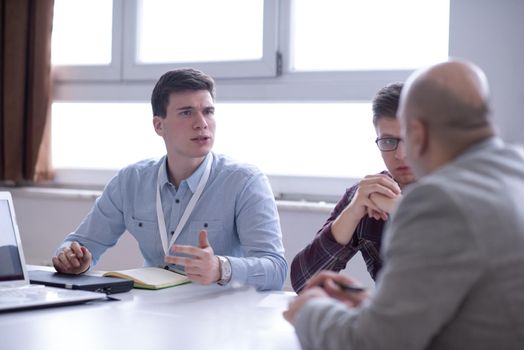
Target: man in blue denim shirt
{"type": "Point", "coordinates": [219, 216]}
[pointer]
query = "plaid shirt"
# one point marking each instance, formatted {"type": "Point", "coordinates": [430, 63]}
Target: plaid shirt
{"type": "Point", "coordinates": [325, 253]}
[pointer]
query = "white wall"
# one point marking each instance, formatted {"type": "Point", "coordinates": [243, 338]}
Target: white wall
{"type": "Point", "coordinates": [491, 34]}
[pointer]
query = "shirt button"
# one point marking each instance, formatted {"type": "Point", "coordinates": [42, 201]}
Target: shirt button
{"type": "Point", "coordinates": [206, 225]}
{"type": "Point", "coordinates": [139, 224]}
{"type": "Point", "coordinates": [172, 233]}
{"type": "Point", "coordinates": [177, 201]}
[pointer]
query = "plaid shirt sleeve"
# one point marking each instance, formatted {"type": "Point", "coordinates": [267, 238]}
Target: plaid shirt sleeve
{"type": "Point", "coordinates": [324, 252]}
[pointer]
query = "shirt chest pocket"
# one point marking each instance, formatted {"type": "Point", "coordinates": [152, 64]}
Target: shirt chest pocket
{"type": "Point", "coordinates": [215, 231]}
{"type": "Point", "coordinates": [208, 225]}
{"type": "Point", "coordinates": [140, 227]}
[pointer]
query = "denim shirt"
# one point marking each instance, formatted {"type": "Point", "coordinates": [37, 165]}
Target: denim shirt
{"type": "Point", "coordinates": [237, 208]}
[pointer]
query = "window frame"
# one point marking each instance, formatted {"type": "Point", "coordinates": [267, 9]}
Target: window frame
{"type": "Point", "coordinates": [123, 66]}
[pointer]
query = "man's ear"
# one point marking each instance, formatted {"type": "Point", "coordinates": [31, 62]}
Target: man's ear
{"type": "Point", "coordinates": [158, 124]}
{"type": "Point", "coordinates": [419, 137]}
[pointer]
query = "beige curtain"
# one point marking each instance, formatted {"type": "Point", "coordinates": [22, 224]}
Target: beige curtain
{"type": "Point", "coordinates": [25, 90]}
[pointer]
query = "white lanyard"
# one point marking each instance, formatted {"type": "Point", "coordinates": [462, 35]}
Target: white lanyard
{"type": "Point", "coordinates": [187, 212]}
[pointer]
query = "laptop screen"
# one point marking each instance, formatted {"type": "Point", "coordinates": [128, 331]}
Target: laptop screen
{"type": "Point", "coordinates": [10, 262]}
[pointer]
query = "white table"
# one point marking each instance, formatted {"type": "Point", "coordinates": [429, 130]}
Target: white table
{"type": "Point", "coordinates": [189, 317]}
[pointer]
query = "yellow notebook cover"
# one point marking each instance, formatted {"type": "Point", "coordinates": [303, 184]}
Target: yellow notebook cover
{"type": "Point", "coordinates": [150, 277]}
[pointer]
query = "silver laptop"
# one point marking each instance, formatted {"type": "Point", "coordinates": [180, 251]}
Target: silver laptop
{"type": "Point", "coordinates": [15, 290]}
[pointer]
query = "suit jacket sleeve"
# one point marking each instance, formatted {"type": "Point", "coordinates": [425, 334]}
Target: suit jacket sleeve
{"type": "Point", "coordinates": [430, 265]}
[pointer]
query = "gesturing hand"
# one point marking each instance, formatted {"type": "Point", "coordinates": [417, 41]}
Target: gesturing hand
{"type": "Point", "coordinates": [202, 265]}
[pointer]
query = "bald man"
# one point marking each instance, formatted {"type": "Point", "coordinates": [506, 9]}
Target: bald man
{"type": "Point", "coordinates": [453, 275]}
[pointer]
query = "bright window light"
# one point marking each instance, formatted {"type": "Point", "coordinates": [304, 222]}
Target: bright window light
{"type": "Point", "coordinates": [306, 139]}
{"type": "Point", "coordinates": [102, 135]}
{"type": "Point", "coordinates": [199, 30]}
{"type": "Point", "coordinates": [369, 35]}
{"type": "Point", "coordinates": [82, 32]}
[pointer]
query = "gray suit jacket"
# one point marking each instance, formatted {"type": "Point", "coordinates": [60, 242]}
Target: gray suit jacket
{"type": "Point", "coordinates": [454, 265]}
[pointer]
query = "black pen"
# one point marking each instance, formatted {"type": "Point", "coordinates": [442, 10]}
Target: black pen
{"type": "Point", "coordinates": [349, 287]}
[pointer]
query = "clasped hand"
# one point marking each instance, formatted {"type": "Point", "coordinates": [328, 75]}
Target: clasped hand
{"type": "Point", "coordinates": [376, 196]}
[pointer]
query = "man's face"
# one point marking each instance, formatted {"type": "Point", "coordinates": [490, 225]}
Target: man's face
{"type": "Point", "coordinates": [188, 129]}
{"type": "Point", "coordinates": [389, 127]}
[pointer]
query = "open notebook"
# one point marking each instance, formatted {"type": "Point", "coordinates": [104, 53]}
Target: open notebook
{"type": "Point", "coordinates": [15, 290]}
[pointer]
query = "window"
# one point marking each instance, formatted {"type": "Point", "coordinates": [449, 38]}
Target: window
{"type": "Point", "coordinates": [369, 35]}
{"type": "Point", "coordinates": [280, 138]}
{"type": "Point", "coordinates": [162, 22]}
{"type": "Point", "coordinates": [72, 44]}
{"type": "Point", "coordinates": [84, 135]}
{"type": "Point", "coordinates": [82, 50]}
{"type": "Point", "coordinates": [162, 34]}
{"type": "Point", "coordinates": [294, 80]}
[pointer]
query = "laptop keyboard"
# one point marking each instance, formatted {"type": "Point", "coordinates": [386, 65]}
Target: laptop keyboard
{"type": "Point", "coordinates": [25, 294]}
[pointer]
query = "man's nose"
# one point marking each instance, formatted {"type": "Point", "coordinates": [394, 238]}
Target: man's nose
{"type": "Point", "coordinates": [200, 121]}
{"type": "Point", "coordinates": [400, 152]}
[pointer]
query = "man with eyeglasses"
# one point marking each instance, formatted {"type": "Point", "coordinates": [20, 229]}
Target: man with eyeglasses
{"type": "Point", "coordinates": [358, 219]}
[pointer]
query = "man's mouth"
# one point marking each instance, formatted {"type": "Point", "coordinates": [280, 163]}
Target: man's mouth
{"type": "Point", "coordinates": [201, 138]}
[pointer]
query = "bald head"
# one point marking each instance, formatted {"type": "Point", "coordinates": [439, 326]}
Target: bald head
{"type": "Point", "coordinates": [450, 101]}
{"type": "Point", "coordinates": [451, 95]}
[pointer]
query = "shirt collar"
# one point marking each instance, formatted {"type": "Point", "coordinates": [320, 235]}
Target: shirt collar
{"type": "Point", "coordinates": [192, 181]}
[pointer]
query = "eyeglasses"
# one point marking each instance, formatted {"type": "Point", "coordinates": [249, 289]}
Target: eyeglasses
{"type": "Point", "coordinates": [388, 144]}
